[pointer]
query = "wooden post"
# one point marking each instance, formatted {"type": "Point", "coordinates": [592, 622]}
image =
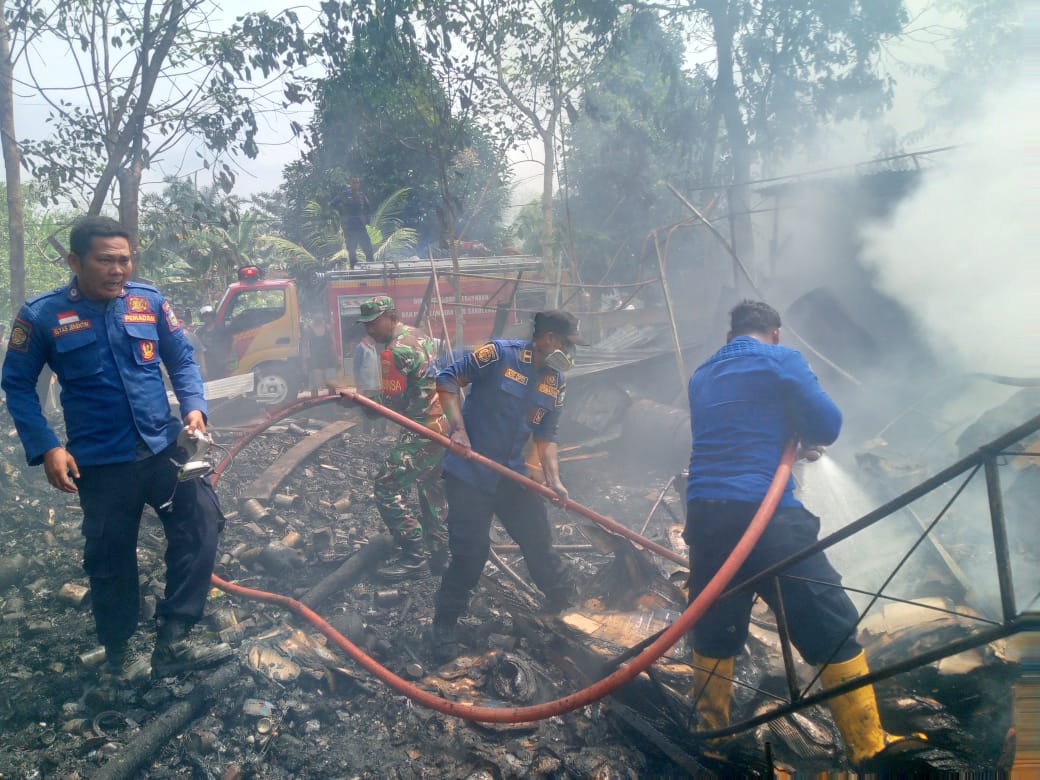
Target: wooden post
{"type": "Point", "coordinates": [671, 318]}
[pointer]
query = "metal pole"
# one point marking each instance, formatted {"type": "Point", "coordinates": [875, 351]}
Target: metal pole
{"type": "Point", "coordinates": [1000, 541]}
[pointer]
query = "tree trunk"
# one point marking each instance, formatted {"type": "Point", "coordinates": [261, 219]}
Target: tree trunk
{"type": "Point", "coordinates": [130, 193]}
{"type": "Point", "coordinates": [728, 105]}
{"type": "Point", "coordinates": [552, 295]}
{"type": "Point", "coordinates": [12, 167]}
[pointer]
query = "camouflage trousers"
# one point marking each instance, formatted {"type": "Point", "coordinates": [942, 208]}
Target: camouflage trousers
{"type": "Point", "coordinates": [413, 462]}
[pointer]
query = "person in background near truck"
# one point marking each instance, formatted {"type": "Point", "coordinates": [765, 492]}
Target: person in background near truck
{"type": "Point", "coordinates": [355, 212]}
{"type": "Point", "coordinates": [366, 377]}
{"type": "Point", "coordinates": [516, 393]}
{"type": "Point", "coordinates": [216, 344]}
{"type": "Point", "coordinates": [107, 340]}
{"type": "Point", "coordinates": [408, 386]}
{"type": "Point", "coordinates": [746, 401]}
{"type": "Point", "coordinates": [319, 353]}
{"type": "Point", "coordinates": [193, 339]}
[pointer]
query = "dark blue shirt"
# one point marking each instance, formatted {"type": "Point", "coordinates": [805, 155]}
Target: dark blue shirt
{"type": "Point", "coordinates": [108, 357]}
{"type": "Point", "coordinates": [508, 402]}
{"type": "Point", "coordinates": [746, 401]}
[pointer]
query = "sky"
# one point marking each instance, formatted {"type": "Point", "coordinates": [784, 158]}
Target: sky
{"type": "Point", "coordinates": [278, 146]}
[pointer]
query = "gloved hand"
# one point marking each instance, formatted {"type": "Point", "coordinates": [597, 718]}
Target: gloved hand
{"type": "Point", "coordinates": [810, 452]}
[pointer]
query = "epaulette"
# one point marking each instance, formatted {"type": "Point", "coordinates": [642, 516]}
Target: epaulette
{"type": "Point", "coordinates": [50, 293]}
{"type": "Point", "coordinates": [142, 286]}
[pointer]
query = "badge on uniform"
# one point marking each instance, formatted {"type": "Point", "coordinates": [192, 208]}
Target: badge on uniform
{"type": "Point", "coordinates": [137, 304]}
{"type": "Point", "coordinates": [486, 355]}
{"type": "Point", "coordinates": [526, 356]}
{"type": "Point", "coordinates": [147, 350]}
{"type": "Point", "coordinates": [171, 317]}
{"type": "Point", "coordinates": [21, 332]}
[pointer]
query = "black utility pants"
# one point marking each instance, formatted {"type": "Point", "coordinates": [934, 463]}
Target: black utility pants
{"type": "Point", "coordinates": [820, 616]}
{"type": "Point", "coordinates": [113, 498]}
{"type": "Point", "coordinates": [524, 516]}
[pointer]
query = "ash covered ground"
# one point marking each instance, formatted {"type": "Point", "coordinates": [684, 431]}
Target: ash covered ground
{"type": "Point", "coordinates": [288, 705]}
{"type": "Point", "coordinates": [325, 718]}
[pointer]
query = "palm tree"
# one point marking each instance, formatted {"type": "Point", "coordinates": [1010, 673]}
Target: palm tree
{"type": "Point", "coordinates": [325, 247]}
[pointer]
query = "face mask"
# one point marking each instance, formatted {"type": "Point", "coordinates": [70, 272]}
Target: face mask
{"type": "Point", "coordinates": [558, 360]}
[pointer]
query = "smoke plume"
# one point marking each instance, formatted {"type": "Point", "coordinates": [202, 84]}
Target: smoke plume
{"type": "Point", "coordinates": [960, 253]}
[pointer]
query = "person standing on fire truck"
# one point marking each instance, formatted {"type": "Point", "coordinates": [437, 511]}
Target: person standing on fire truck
{"type": "Point", "coordinates": [355, 212]}
{"type": "Point", "coordinates": [746, 401]}
{"type": "Point", "coordinates": [107, 340]}
{"type": "Point", "coordinates": [408, 386]}
{"type": "Point", "coordinates": [516, 393]}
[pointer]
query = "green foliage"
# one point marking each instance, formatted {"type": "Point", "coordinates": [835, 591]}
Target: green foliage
{"type": "Point", "coordinates": [385, 116]}
{"type": "Point", "coordinates": [45, 266]}
{"type": "Point", "coordinates": [804, 62]}
{"type": "Point", "coordinates": [323, 247]}
{"type": "Point", "coordinates": [194, 239]}
{"type": "Point", "coordinates": [637, 124]}
{"type": "Point", "coordinates": [149, 83]}
{"type": "Point", "coordinates": [983, 53]}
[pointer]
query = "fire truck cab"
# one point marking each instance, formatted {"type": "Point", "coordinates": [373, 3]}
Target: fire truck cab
{"type": "Point", "coordinates": [263, 319]}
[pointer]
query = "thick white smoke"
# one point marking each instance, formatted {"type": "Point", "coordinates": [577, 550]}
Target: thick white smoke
{"type": "Point", "coordinates": [961, 252]}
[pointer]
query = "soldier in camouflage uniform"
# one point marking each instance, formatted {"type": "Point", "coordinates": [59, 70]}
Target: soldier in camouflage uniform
{"type": "Point", "coordinates": [408, 386]}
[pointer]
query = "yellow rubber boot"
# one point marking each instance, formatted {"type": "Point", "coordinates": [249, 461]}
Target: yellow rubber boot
{"type": "Point", "coordinates": [712, 687]}
{"type": "Point", "coordinates": [856, 712]}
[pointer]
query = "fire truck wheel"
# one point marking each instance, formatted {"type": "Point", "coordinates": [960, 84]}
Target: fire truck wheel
{"type": "Point", "coordinates": [276, 384]}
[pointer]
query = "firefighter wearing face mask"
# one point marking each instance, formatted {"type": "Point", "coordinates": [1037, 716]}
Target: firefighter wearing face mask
{"type": "Point", "coordinates": [516, 393]}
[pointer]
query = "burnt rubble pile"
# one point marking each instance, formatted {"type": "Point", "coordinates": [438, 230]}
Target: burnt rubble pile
{"type": "Point", "coordinates": [287, 705]}
{"type": "Point", "coordinates": [290, 704]}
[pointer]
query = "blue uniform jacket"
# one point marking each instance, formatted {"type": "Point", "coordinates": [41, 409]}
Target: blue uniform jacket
{"type": "Point", "coordinates": [107, 356]}
{"type": "Point", "coordinates": [507, 403]}
{"type": "Point", "coordinates": [746, 401]}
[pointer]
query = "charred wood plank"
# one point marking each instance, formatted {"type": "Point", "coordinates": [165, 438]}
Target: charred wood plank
{"type": "Point", "coordinates": [267, 483]}
{"type": "Point", "coordinates": [367, 558]}
{"type": "Point", "coordinates": [172, 722]}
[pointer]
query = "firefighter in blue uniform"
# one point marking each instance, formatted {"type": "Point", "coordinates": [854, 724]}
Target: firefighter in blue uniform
{"type": "Point", "coordinates": [106, 338]}
{"type": "Point", "coordinates": [516, 392]}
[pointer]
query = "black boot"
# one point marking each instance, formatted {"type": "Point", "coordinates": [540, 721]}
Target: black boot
{"type": "Point", "coordinates": [409, 564]}
{"type": "Point", "coordinates": [444, 645]}
{"type": "Point", "coordinates": [438, 558]}
{"type": "Point", "coordinates": [177, 650]}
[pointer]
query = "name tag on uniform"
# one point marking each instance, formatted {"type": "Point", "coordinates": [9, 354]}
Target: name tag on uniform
{"type": "Point", "coordinates": [151, 319]}
{"type": "Point", "coordinates": [516, 376]}
{"type": "Point", "coordinates": [72, 327]}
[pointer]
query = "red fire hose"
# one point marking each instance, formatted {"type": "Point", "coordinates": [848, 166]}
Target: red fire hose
{"type": "Point", "coordinates": [505, 471]}
{"type": "Point", "coordinates": [622, 675]}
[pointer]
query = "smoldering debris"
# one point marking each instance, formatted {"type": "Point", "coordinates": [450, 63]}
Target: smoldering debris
{"type": "Point", "coordinates": [291, 704]}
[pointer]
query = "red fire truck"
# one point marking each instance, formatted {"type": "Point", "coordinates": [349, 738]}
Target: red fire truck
{"type": "Point", "coordinates": [263, 318]}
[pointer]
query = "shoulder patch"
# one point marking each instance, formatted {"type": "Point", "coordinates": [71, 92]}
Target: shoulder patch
{"type": "Point", "coordinates": [21, 333]}
{"type": "Point", "coordinates": [486, 355]}
{"type": "Point", "coordinates": [171, 317]}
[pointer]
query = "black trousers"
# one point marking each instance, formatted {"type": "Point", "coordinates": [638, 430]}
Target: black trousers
{"type": "Point", "coordinates": [113, 498]}
{"type": "Point", "coordinates": [354, 237]}
{"type": "Point", "coordinates": [820, 614]}
{"type": "Point", "coordinates": [524, 516]}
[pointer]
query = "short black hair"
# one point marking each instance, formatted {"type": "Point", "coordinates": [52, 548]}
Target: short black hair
{"type": "Point", "coordinates": [83, 232]}
{"type": "Point", "coordinates": [753, 317]}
